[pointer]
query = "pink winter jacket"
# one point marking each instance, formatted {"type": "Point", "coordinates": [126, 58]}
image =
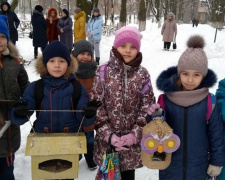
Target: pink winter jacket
{"type": "Point", "coordinates": [169, 29]}
{"type": "Point", "coordinates": [123, 110]}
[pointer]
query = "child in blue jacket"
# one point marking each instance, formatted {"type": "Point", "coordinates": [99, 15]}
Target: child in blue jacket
{"type": "Point", "coordinates": [56, 68]}
{"type": "Point", "coordinates": [220, 95]}
{"type": "Point", "coordinates": [186, 89]}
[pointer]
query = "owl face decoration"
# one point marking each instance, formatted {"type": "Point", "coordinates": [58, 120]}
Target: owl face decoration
{"type": "Point", "coordinates": [151, 143]}
{"type": "Point", "coordinates": [158, 143]}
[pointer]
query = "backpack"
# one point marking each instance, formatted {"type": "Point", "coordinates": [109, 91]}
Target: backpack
{"type": "Point", "coordinates": [39, 93]}
{"type": "Point", "coordinates": [102, 72]}
{"type": "Point", "coordinates": [211, 103]}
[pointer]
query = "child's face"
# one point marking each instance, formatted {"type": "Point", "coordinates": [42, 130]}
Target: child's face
{"type": "Point", "coordinates": [57, 66]}
{"type": "Point", "coordinates": [84, 57]}
{"type": "Point", "coordinates": [128, 51]}
{"type": "Point", "coordinates": [190, 79]}
{"type": "Point", "coordinates": [3, 42]}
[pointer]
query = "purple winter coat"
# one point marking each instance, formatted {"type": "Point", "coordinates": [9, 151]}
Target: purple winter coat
{"type": "Point", "coordinates": [123, 110]}
{"type": "Point", "coordinates": [66, 37]}
{"type": "Point", "coordinates": [169, 29]}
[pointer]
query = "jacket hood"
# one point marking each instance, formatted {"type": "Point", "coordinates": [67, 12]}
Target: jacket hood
{"type": "Point", "coordinates": [166, 81]}
{"type": "Point", "coordinates": [80, 14]}
{"type": "Point", "coordinates": [42, 69]}
{"type": "Point", "coordinates": [36, 12]}
{"type": "Point", "coordinates": [13, 51]}
{"type": "Point", "coordinates": [49, 13]}
{"type": "Point", "coordinates": [5, 3]}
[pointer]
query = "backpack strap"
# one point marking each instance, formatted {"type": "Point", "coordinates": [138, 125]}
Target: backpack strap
{"type": "Point", "coordinates": [211, 103]}
{"type": "Point", "coordinates": [76, 92]}
{"type": "Point", "coordinates": [161, 101]}
{"type": "Point", "coordinates": [146, 86]}
{"type": "Point", "coordinates": [17, 65]}
{"type": "Point", "coordinates": [38, 94]}
{"type": "Point", "coordinates": [102, 72]}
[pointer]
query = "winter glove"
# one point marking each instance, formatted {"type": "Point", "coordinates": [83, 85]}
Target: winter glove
{"type": "Point", "coordinates": [214, 170]}
{"type": "Point", "coordinates": [21, 108]}
{"type": "Point", "coordinates": [91, 108]}
{"type": "Point", "coordinates": [152, 108]}
{"type": "Point", "coordinates": [129, 139]}
{"type": "Point", "coordinates": [116, 142]}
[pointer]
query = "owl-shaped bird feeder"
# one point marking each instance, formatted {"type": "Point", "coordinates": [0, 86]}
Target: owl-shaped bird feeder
{"type": "Point", "coordinates": [158, 142]}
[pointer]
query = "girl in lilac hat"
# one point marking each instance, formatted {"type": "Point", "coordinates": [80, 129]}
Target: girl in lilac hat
{"type": "Point", "coordinates": [125, 94]}
{"type": "Point", "coordinates": [193, 114]}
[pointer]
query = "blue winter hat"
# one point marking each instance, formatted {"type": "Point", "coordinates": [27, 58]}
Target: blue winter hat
{"type": "Point", "coordinates": [3, 26]}
{"type": "Point", "coordinates": [96, 10]}
{"type": "Point", "coordinates": [56, 49]}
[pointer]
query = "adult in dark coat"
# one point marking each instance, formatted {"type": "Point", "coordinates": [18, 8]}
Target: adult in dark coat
{"type": "Point", "coordinates": [65, 27]}
{"type": "Point", "coordinates": [13, 21]}
{"type": "Point", "coordinates": [39, 30]}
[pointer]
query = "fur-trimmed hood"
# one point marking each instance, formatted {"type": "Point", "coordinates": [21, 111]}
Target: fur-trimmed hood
{"type": "Point", "coordinates": [49, 13]}
{"type": "Point", "coordinates": [166, 81]}
{"type": "Point", "coordinates": [11, 50]}
{"type": "Point", "coordinates": [42, 70]}
{"type": "Point", "coordinates": [80, 14]}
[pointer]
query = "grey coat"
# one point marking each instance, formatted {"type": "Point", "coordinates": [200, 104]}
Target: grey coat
{"type": "Point", "coordinates": [66, 37]}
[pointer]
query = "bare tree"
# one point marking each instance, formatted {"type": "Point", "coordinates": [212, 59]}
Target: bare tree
{"type": "Point", "coordinates": [123, 13]}
{"type": "Point", "coordinates": [142, 15]}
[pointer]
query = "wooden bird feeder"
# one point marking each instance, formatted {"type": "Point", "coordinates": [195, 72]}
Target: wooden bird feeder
{"type": "Point", "coordinates": [55, 155]}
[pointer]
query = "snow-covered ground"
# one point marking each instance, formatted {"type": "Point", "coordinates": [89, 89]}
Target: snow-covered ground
{"type": "Point", "coordinates": [154, 59]}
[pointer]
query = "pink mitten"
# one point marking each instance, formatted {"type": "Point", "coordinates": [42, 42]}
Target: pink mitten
{"type": "Point", "coordinates": [115, 140]}
{"type": "Point", "coordinates": [152, 108]}
{"type": "Point", "coordinates": [129, 139]}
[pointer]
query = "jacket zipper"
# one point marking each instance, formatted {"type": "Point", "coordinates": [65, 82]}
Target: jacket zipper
{"type": "Point", "coordinates": [185, 144]}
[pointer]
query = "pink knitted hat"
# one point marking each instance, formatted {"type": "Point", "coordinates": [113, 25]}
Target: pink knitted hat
{"type": "Point", "coordinates": [128, 34]}
{"type": "Point", "coordinates": [194, 58]}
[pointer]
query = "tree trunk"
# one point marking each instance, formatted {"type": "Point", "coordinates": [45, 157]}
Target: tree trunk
{"type": "Point", "coordinates": [142, 16]}
{"type": "Point", "coordinates": [14, 4]}
{"type": "Point", "coordinates": [142, 25]}
{"type": "Point", "coordinates": [177, 11]}
{"type": "Point", "coordinates": [166, 9]}
{"type": "Point", "coordinates": [123, 13]}
{"type": "Point", "coordinates": [86, 6]}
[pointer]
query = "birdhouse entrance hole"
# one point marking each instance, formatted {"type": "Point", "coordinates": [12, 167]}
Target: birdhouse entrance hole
{"type": "Point", "coordinates": [55, 165]}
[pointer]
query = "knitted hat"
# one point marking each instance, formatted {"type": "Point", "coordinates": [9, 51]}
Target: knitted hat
{"type": "Point", "coordinates": [194, 58]}
{"type": "Point", "coordinates": [3, 26]}
{"type": "Point", "coordinates": [96, 10]}
{"type": "Point", "coordinates": [128, 34]}
{"type": "Point", "coordinates": [56, 49]}
{"type": "Point", "coordinates": [39, 8]}
{"type": "Point", "coordinates": [77, 10]}
{"type": "Point", "coordinates": [82, 46]}
{"type": "Point", "coordinates": [66, 12]}
{"type": "Point", "coordinates": [170, 14]}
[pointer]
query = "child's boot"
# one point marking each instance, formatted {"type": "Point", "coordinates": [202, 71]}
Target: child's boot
{"type": "Point", "coordinates": [89, 157]}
